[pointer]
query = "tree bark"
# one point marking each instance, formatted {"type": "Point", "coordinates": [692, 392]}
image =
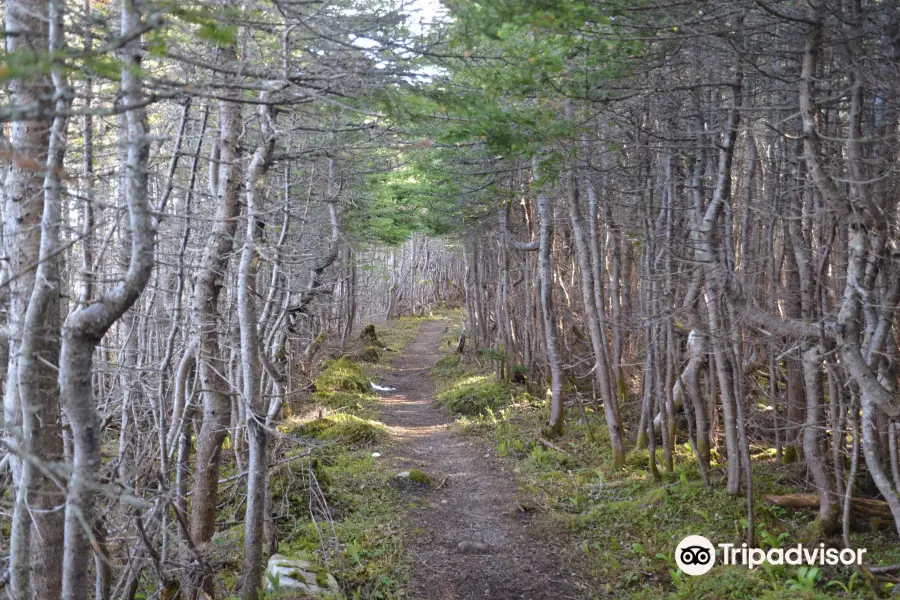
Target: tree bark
{"type": "Point", "coordinates": [557, 407]}
{"type": "Point", "coordinates": [250, 360]}
{"type": "Point", "coordinates": [84, 328]}
{"type": "Point", "coordinates": [36, 539]}
{"type": "Point", "coordinates": [208, 286]}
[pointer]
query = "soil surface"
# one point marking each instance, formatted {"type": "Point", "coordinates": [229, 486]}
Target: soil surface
{"type": "Point", "coordinates": [469, 538]}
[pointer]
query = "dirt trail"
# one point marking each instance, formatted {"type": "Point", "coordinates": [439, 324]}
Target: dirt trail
{"type": "Point", "coordinates": [502, 559]}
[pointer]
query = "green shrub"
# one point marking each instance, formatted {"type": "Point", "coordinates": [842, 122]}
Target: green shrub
{"type": "Point", "coordinates": [476, 396]}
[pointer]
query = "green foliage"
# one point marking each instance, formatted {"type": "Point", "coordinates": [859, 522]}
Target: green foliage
{"type": "Point", "coordinates": [854, 586]}
{"type": "Point", "coordinates": [503, 97]}
{"type": "Point", "coordinates": [805, 579]}
{"type": "Point", "coordinates": [770, 540]}
{"type": "Point", "coordinates": [543, 458]}
{"type": "Point", "coordinates": [724, 583]}
{"type": "Point", "coordinates": [209, 24]}
{"type": "Point", "coordinates": [408, 199]}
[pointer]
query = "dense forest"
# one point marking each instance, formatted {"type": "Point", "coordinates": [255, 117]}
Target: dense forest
{"type": "Point", "coordinates": [643, 253]}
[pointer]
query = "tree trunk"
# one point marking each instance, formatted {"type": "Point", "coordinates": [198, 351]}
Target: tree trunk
{"type": "Point", "coordinates": [85, 328]}
{"type": "Point", "coordinates": [250, 360]}
{"type": "Point", "coordinates": [36, 539]}
{"type": "Point", "coordinates": [592, 321]}
{"type": "Point", "coordinates": [208, 286]}
{"type": "Point", "coordinates": [557, 407]}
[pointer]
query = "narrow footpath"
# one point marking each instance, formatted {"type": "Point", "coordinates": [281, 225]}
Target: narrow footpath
{"type": "Point", "coordinates": [469, 539]}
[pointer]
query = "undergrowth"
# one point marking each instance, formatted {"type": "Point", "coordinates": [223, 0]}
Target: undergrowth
{"type": "Point", "coordinates": [621, 527]}
{"type": "Point", "coordinates": [361, 543]}
{"type": "Point", "coordinates": [342, 375]}
{"type": "Point", "coordinates": [475, 396]}
{"type": "Point", "coordinates": [345, 428]}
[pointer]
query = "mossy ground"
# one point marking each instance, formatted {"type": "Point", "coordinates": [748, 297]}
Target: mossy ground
{"type": "Point", "coordinates": [398, 334]}
{"type": "Point", "coordinates": [475, 396]}
{"type": "Point", "coordinates": [362, 544]}
{"type": "Point", "coordinates": [621, 527]}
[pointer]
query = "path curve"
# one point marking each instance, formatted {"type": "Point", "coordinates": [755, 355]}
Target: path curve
{"type": "Point", "coordinates": [502, 558]}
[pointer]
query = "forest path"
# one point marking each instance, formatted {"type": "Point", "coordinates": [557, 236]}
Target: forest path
{"type": "Point", "coordinates": [469, 539]}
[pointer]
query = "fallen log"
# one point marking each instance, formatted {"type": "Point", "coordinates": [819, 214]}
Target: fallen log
{"type": "Point", "coordinates": [866, 506]}
{"type": "Point", "coordinates": [550, 446]}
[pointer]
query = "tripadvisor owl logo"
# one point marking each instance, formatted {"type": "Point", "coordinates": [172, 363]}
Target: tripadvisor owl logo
{"type": "Point", "coordinates": [695, 555]}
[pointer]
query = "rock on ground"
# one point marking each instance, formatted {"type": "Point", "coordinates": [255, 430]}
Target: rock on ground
{"type": "Point", "coordinates": [297, 574]}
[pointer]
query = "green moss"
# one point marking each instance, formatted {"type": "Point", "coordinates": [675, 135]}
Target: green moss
{"type": "Point", "coordinates": [369, 354]}
{"type": "Point", "coordinates": [347, 428]}
{"type": "Point", "coordinates": [477, 395]}
{"type": "Point", "coordinates": [342, 375]}
{"type": "Point", "coordinates": [229, 580]}
{"type": "Point", "coordinates": [342, 385]}
{"type": "Point", "coordinates": [789, 455]}
{"type": "Point", "coordinates": [322, 578]}
{"type": "Point", "coordinates": [420, 477]}
{"type": "Point", "coordinates": [369, 335]}
{"type": "Point", "coordinates": [289, 485]}
{"type": "Point", "coordinates": [621, 389]}
{"type": "Point", "coordinates": [368, 560]}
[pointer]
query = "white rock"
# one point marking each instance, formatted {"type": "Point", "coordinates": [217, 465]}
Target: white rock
{"type": "Point", "coordinates": [283, 573]}
{"type": "Point", "coordinates": [376, 455]}
{"type": "Point", "coordinates": [403, 474]}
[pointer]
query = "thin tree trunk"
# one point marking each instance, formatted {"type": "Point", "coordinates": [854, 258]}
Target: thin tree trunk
{"type": "Point", "coordinates": [557, 407]}
{"type": "Point", "coordinates": [37, 533]}
{"type": "Point", "coordinates": [592, 320]}
{"type": "Point", "coordinates": [208, 286]}
{"type": "Point", "coordinates": [250, 360]}
{"type": "Point", "coordinates": [85, 328]}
